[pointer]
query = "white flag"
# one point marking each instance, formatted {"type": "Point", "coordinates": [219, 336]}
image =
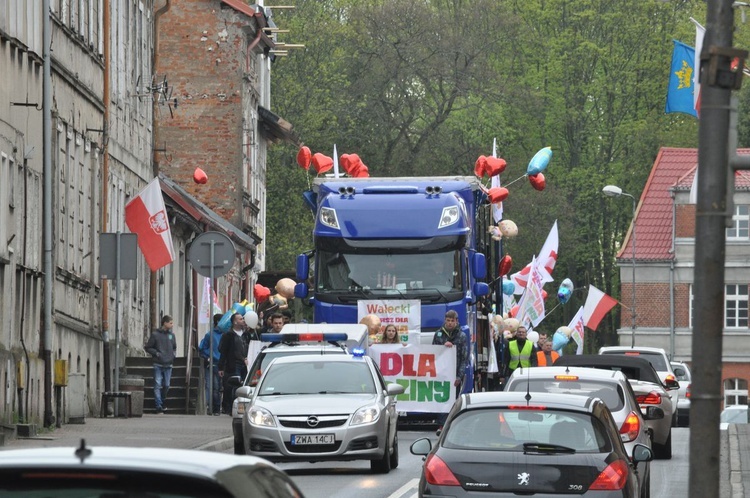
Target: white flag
{"type": "Point", "coordinates": [497, 208]}
{"type": "Point", "coordinates": [579, 330]}
{"type": "Point", "coordinates": [531, 305]}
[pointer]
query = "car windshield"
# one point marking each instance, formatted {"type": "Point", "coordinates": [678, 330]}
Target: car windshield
{"type": "Point", "coordinates": [318, 377]}
{"type": "Point", "coordinates": [610, 393]}
{"type": "Point", "coordinates": [656, 359]}
{"type": "Point", "coordinates": [734, 415]}
{"type": "Point", "coordinates": [512, 429]}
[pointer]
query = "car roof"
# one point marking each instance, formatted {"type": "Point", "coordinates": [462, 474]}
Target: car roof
{"type": "Point", "coordinates": [339, 358]}
{"type": "Point", "coordinates": [488, 399]}
{"type": "Point", "coordinates": [639, 348]}
{"type": "Point", "coordinates": [356, 332]}
{"type": "Point", "coordinates": [582, 372]}
{"type": "Point", "coordinates": [633, 367]}
{"type": "Point", "coordinates": [162, 460]}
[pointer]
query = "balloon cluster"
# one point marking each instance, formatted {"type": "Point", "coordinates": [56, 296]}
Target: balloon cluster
{"type": "Point", "coordinates": [352, 163]}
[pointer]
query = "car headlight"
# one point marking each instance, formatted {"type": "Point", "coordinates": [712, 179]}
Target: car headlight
{"type": "Point", "coordinates": [366, 415]}
{"type": "Point", "coordinates": [449, 216]}
{"type": "Point", "coordinates": [242, 407]}
{"type": "Point", "coordinates": [328, 217]}
{"type": "Point", "coordinates": [260, 417]}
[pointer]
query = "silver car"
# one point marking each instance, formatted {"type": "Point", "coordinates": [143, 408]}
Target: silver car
{"type": "Point", "coordinates": [323, 408]}
{"type": "Point", "coordinates": [153, 472]}
{"type": "Point", "coordinates": [612, 387]}
{"type": "Point", "coordinates": [682, 372]}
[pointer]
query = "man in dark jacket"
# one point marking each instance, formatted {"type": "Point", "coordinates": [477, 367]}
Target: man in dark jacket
{"type": "Point", "coordinates": [233, 358]}
{"type": "Point", "coordinates": [163, 347]}
{"type": "Point", "coordinates": [450, 335]}
{"type": "Point", "coordinates": [213, 381]}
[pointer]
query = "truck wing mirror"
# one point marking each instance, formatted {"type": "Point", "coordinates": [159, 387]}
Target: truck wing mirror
{"type": "Point", "coordinates": [478, 265]}
{"type": "Point", "coordinates": [300, 290]}
{"type": "Point", "coordinates": [481, 289]}
{"type": "Point", "coordinates": [303, 267]}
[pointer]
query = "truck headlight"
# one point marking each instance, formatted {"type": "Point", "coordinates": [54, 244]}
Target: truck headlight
{"type": "Point", "coordinates": [449, 216]}
{"type": "Point", "coordinates": [328, 217]}
{"type": "Point", "coordinates": [366, 415]}
{"type": "Point", "coordinates": [260, 417]}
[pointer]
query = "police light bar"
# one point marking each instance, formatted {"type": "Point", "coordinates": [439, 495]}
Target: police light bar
{"type": "Point", "coordinates": [307, 337]}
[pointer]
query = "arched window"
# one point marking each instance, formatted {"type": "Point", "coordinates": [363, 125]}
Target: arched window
{"type": "Point", "coordinates": [735, 392]}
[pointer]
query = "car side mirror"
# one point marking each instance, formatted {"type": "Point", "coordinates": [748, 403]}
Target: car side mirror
{"type": "Point", "coordinates": [654, 413]}
{"type": "Point", "coordinates": [421, 447]}
{"type": "Point", "coordinates": [244, 392]}
{"type": "Point", "coordinates": [234, 381]}
{"type": "Point", "coordinates": [394, 389]}
{"type": "Point", "coordinates": [642, 453]}
{"type": "Point", "coordinates": [671, 384]}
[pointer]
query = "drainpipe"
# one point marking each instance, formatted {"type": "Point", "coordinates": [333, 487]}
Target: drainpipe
{"type": "Point", "coordinates": [47, 211]}
{"type": "Point", "coordinates": [105, 196]}
{"type": "Point", "coordinates": [671, 279]}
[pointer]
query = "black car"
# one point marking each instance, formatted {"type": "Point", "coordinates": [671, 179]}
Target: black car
{"type": "Point", "coordinates": [518, 443]}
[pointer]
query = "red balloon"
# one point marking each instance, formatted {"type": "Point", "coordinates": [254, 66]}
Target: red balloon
{"type": "Point", "coordinates": [498, 194]}
{"type": "Point", "coordinates": [346, 163]}
{"type": "Point", "coordinates": [321, 163]}
{"type": "Point", "coordinates": [362, 171]}
{"type": "Point", "coordinates": [513, 311]}
{"type": "Point", "coordinates": [303, 157]}
{"type": "Point", "coordinates": [505, 264]}
{"type": "Point", "coordinates": [199, 176]}
{"type": "Point", "coordinates": [480, 166]}
{"type": "Point", "coordinates": [537, 181]}
{"type": "Point", "coordinates": [544, 294]}
{"type": "Point", "coordinates": [261, 293]}
{"type": "Point", "coordinates": [495, 165]}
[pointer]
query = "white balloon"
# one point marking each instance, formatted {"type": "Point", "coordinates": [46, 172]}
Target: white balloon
{"type": "Point", "coordinates": [251, 319]}
{"type": "Point", "coordinates": [533, 336]}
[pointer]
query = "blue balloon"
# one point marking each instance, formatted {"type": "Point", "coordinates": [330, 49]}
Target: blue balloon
{"type": "Point", "coordinates": [559, 340]}
{"type": "Point", "coordinates": [239, 308]}
{"type": "Point", "coordinates": [508, 287]}
{"type": "Point", "coordinates": [539, 162]}
{"type": "Point", "coordinates": [563, 295]}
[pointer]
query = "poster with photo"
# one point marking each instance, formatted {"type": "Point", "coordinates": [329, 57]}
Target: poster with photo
{"type": "Point", "coordinates": [405, 314]}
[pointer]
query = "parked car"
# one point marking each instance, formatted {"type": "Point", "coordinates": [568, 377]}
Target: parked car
{"type": "Point", "coordinates": [648, 389]}
{"type": "Point", "coordinates": [294, 339]}
{"type": "Point", "coordinates": [612, 388]}
{"type": "Point", "coordinates": [682, 373]}
{"type": "Point", "coordinates": [102, 471]}
{"type": "Point", "coordinates": [659, 359]}
{"type": "Point", "coordinates": [323, 408]}
{"type": "Point", "coordinates": [733, 414]}
{"type": "Point", "coordinates": [514, 444]}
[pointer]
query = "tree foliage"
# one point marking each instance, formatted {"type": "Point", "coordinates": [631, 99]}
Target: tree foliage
{"type": "Point", "coordinates": [422, 87]}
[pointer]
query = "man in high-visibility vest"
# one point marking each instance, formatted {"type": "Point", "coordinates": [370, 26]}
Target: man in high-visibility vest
{"type": "Point", "coordinates": [520, 352]}
{"type": "Point", "coordinates": [546, 357]}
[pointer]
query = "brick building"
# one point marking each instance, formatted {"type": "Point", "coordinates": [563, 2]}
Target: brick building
{"type": "Point", "coordinates": [664, 266]}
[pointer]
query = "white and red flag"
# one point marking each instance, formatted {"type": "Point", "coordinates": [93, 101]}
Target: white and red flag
{"type": "Point", "coordinates": [146, 216]}
{"type": "Point", "coordinates": [497, 208]}
{"type": "Point", "coordinates": [531, 306]}
{"type": "Point", "coordinates": [546, 260]}
{"type": "Point", "coordinates": [597, 305]}
{"type": "Point", "coordinates": [577, 325]}
{"type": "Point", "coordinates": [700, 32]}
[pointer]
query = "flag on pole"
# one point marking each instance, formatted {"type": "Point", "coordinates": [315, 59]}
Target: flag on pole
{"type": "Point", "coordinates": [335, 162]}
{"type": "Point", "coordinates": [146, 216]}
{"type": "Point", "coordinates": [497, 208]}
{"type": "Point", "coordinates": [578, 327]}
{"type": "Point", "coordinates": [531, 305]}
{"type": "Point", "coordinates": [205, 313]}
{"type": "Point", "coordinates": [693, 198]}
{"type": "Point", "coordinates": [597, 305]}
{"type": "Point", "coordinates": [700, 32]}
{"type": "Point", "coordinates": [680, 92]}
{"type": "Point", "coordinates": [546, 261]}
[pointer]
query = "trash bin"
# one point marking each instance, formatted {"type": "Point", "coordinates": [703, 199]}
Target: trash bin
{"type": "Point", "coordinates": [133, 384]}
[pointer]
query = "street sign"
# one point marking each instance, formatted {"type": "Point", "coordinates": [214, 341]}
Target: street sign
{"type": "Point", "coordinates": [200, 254]}
{"type": "Point", "coordinates": [128, 256]}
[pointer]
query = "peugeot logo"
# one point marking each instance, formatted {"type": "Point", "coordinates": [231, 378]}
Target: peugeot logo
{"type": "Point", "coordinates": [312, 421]}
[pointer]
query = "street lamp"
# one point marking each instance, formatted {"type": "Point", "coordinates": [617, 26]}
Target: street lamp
{"type": "Point", "coordinates": [615, 191]}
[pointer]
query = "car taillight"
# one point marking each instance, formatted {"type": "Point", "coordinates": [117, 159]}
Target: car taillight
{"type": "Point", "coordinates": [669, 377]}
{"type": "Point", "coordinates": [687, 391]}
{"type": "Point", "coordinates": [437, 472]}
{"type": "Point", "coordinates": [652, 398]}
{"type": "Point", "coordinates": [255, 378]}
{"type": "Point", "coordinates": [630, 428]}
{"type": "Point", "coordinates": [613, 477]}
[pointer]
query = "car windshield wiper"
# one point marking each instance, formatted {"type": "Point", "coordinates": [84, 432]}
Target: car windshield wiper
{"type": "Point", "coordinates": [546, 448]}
{"type": "Point", "coordinates": [279, 393]}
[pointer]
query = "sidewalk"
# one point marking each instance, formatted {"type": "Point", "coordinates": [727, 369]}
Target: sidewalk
{"type": "Point", "coordinates": [201, 432]}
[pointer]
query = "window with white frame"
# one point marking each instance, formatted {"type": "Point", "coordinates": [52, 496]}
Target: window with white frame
{"type": "Point", "coordinates": [735, 306]}
{"type": "Point", "coordinates": [740, 223]}
{"type": "Point", "coordinates": [735, 392]}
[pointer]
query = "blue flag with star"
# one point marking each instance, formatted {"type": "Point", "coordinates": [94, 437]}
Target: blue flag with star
{"type": "Point", "coordinates": [681, 86]}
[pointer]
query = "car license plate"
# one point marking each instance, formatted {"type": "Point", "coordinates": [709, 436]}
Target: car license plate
{"type": "Point", "coordinates": [313, 439]}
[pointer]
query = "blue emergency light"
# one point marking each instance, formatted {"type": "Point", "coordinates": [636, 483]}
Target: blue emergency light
{"type": "Point", "coordinates": [358, 352]}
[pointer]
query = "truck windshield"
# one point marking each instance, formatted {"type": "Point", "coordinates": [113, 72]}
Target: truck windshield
{"type": "Point", "coordinates": [413, 275]}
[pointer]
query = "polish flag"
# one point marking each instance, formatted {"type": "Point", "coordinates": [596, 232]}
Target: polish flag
{"type": "Point", "coordinates": [146, 216]}
{"type": "Point", "coordinates": [597, 305]}
{"type": "Point", "coordinates": [545, 262]}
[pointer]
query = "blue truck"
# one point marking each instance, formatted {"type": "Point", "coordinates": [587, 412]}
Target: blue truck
{"type": "Point", "coordinates": [400, 238]}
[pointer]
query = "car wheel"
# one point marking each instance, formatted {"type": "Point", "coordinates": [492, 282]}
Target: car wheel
{"type": "Point", "coordinates": [239, 446]}
{"type": "Point", "coordinates": [394, 455]}
{"type": "Point", "coordinates": [383, 466]}
{"type": "Point", "coordinates": [674, 420]}
{"type": "Point", "coordinates": [664, 451]}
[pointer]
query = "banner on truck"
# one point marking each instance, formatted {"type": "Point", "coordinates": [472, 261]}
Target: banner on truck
{"type": "Point", "coordinates": [405, 314]}
{"type": "Point", "coordinates": [427, 373]}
